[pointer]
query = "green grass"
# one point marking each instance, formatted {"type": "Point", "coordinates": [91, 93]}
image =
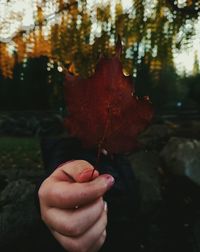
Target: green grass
{"type": "Point", "coordinates": [20, 153]}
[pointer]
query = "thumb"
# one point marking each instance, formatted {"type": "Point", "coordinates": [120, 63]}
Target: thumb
{"type": "Point", "coordinates": [76, 171]}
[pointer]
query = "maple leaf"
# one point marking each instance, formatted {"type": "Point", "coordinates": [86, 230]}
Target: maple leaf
{"type": "Point", "coordinates": [103, 109]}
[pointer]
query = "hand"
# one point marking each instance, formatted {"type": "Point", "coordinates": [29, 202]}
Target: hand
{"type": "Point", "coordinates": [72, 206]}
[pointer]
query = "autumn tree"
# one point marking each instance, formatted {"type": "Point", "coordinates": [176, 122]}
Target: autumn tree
{"type": "Point", "coordinates": [76, 33]}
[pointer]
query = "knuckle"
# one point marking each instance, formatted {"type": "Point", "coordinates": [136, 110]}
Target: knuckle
{"type": "Point", "coordinates": [43, 215]}
{"type": "Point", "coordinates": [76, 231]}
{"type": "Point", "coordinates": [72, 229]}
{"type": "Point", "coordinates": [43, 218]}
{"type": "Point", "coordinates": [43, 190]}
{"type": "Point", "coordinates": [103, 238]}
{"type": "Point", "coordinates": [75, 246]}
{"type": "Point", "coordinates": [84, 162]}
{"type": "Point", "coordinates": [105, 220]}
{"type": "Point", "coordinates": [55, 193]}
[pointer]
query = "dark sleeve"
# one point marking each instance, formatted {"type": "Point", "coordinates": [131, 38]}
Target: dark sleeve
{"type": "Point", "coordinates": [58, 150]}
{"type": "Point", "coordinates": [122, 199]}
{"type": "Point", "coordinates": [55, 151]}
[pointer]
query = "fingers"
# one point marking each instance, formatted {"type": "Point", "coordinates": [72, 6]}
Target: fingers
{"type": "Point", "coordinates": [82, 229]}
{"type": "Point", "coordinates": [98, 244]}
{"type": "Point", "coordinates": [74, 222]}
{"type": "Point", "coordinates": [77, 170]}
{"type": "Point", "coordinates": [68, 195]}
{"type": "Point", "coordinates": [87, 242]}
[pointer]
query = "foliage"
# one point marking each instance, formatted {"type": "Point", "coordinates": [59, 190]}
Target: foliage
{"type": "Point", "coordinates": [149, 29]}
{"type": "Point", "coordinates": [104, 111]}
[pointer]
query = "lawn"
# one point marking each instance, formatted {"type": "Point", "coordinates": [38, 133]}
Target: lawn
{"type": "Point", "coordinates": [20, 153]}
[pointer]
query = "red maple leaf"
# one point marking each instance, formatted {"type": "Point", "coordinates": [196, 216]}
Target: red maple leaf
{"type": "Point", "coordinates": [103, 109]}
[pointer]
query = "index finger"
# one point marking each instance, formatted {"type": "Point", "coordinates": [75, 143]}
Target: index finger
{"type": "Point", "coordinates": [69, 195]}
{"type": "Point", "coordinates": [75, 170]}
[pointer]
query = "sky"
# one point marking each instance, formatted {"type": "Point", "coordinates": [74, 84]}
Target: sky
{"type": "Point", "coordinates": [23, 11]}
{"type": "Point", "coordinates": [185, 59]}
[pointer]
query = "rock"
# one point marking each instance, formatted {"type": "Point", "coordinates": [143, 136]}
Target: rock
{"type": "Point", "coordinates": [16, 174]}
{"type": "Point", "coordinates": [189, 129]}
{"type": "Point", "coordinates": [30, 124]}
{"type": "Point", "coordinates": [3, 182]}
{"type": "Point", "coordinates": [16, 191]}
{"type": "Point", "coordinates": [156, 135]}
{"type": "Point", "coordinates": [18, 214]}
{"type": "Point", "coordinates": [182, 157]}
{"type": "Point", "coordinates": [145, 165]}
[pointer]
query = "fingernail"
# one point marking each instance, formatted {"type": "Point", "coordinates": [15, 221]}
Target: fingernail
{"type": "Point", "coordinates": [110, 180]}
{"type": "Point", "coordinates": [105, 206]}
{"type": "Point", "coordinates": [104, 233]}
{"type": "Point", "coordinates": [89, 171]}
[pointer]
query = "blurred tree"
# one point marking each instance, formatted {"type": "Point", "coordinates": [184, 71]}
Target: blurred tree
{"type": "Point", "coordinates": [29, 89]}
{"type": "Point", "coordinates": [192, 83]}
{"type": "Point", "coordinates": [77, 33]}
{"type": "Point", "coordinates": [196, 68]}
{"type": "Point", "coordinates": [166, 91]}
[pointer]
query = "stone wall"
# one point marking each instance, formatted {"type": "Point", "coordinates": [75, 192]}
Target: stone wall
{"type": "Point", "coordinates": [30, 123]}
